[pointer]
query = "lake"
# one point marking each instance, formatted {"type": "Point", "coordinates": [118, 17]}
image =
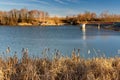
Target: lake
{"type": "Point", "coordinates": [92, 42]}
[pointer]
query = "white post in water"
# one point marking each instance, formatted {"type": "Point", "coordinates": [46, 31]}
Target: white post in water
{"type": "Point", "coordinates": [84, 31]}
{"type": "Point", "coordinates": [98, 26]}
{"type": "Point", "coordinates": [83, 26]}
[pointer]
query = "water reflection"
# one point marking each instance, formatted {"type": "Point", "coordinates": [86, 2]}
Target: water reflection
{"type": "Point", "coordinates": [98, 26]}
{"type": "Point", "coordinates": [84, 34]}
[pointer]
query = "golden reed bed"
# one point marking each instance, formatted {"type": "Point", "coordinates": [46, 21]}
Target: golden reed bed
{"type": "Point", "coordinates": [59, 68]}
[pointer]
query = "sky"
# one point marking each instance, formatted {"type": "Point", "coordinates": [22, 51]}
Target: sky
{"type": "Point", "coordinates": [63, 7]}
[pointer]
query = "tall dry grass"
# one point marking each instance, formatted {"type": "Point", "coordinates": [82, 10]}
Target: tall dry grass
{"type": "Point", "coordinates": [59, 68]}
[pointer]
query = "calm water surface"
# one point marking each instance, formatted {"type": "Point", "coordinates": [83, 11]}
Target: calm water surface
{"type": "Point", "coordinates": [91, 42]}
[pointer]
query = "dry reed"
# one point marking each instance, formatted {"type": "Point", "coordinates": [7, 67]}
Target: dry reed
{"type": "Point", "coordinates": [59, 68]}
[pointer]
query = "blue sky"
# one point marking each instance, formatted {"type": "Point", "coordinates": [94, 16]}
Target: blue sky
{"type": "Point", "coordinates": [63, 7]}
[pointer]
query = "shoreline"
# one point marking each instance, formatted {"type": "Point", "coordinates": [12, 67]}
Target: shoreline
{"type": "Point", "coordinates": [104, 26]}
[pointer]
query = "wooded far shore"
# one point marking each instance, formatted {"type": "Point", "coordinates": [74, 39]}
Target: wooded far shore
{"type": "Point", "coordinates": [36, 17]}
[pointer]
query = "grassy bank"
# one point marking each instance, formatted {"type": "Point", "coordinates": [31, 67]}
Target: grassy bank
{"type": "Point", "coordinates": [59, 68]}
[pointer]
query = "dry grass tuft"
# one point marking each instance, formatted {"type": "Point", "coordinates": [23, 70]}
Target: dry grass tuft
{"type": "Point", "coordinates": [59, 68]}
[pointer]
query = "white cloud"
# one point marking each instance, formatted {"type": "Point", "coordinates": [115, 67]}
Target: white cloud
{"type": "Point", "coordinates": [71, 0]}
{"type": "Point", "coordinates": [61, 2]}
{"type": "Point", "coordinates": [12, 3]}
{"type": "Point", "coordinates": [75, 1]}
{"type": "Point", "coordinates": [42, 2]}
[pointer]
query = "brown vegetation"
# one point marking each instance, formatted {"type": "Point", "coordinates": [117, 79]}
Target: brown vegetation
{"type": "Point", "coordinates": [37, 17]}
{"type": "Point", "coordinates": [59, 68]}
{"type": "Point", "coordinates": [14, 16]}
{"type": "Point", "coordinates": [93, 17]}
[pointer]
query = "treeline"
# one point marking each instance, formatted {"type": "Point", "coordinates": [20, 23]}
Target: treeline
{"type": "Point", "coordinates": [14, 16]}
{"type": "Point", "coordinates": [92, 17]}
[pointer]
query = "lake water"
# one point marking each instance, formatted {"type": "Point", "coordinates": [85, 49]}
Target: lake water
{"type": "Point", "coordinates": [91, 42]}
